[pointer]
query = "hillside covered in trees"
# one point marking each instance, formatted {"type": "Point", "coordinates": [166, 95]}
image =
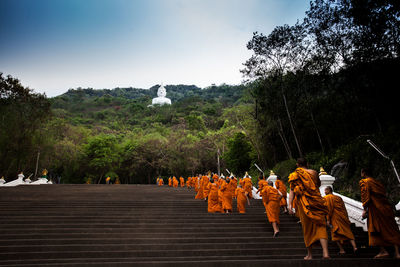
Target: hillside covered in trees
{"type": "Point", "coordinates": [320, 89]}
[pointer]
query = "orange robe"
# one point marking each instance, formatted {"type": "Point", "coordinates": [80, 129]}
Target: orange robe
{"type": "Point", "coordinates": [241, 199]}
{"type": "Point", "coordinates": [182, 180]}
{"type": "Point", "coordinates": [310, 206]}
{"type": "Point", "coordinates": [261, 184]}
{"type": "Point", "coordinates": [272, 199]}
{"type": "Point", "coordinates": [195, 183]}
{"type": "Point", "coordinates": [232, 185]}
{"type": "Point", "coordinates": [169, 182]}
{"type": "Point", "coordinates": [160, 182]}
{"type": "Point", "coordinates": [189, 182]}
{"type": "Point", "coordinates": [337, 215]}
{"type": "Point", "coordinates": [226, 196]}
{"type": "Point", "coordinates": [202, 184]}
{"type": "Point", "coordinates": [382, 228]}
{"type": "Point", "coordinates": [211, 192]}
{"type": "Point", "coordinates": [175, 182]}
{"type": "Point", "coordinates": [248, 186]}
{"type": "Point", "coordinates": [280, 185]}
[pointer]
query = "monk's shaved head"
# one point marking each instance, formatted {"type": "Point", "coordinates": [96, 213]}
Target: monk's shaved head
{"type": "Point", "coordinates": [302, 162]}
{"type": "Point", "coordinates": [328, 189]}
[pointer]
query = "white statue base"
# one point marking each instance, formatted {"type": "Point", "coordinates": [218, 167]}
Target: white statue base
{"type": "Point", "coordinates": [273, 179]}
{"type": "Point", "coordinates": [16, 182]}
{"type": "Point", "coordinates": [40, 181]}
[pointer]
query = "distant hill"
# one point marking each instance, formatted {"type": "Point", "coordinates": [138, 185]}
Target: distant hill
{"type": "Point", "coordinates": [229, 93]}
{"type": "Point", "coordinates": [128, 106]}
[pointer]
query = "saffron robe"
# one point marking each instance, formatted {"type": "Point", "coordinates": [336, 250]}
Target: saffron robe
{"type": "Point", "coordinates": [202, 184]}
{"type": "Point", "coordinates": [175, 182]}
{"type": "Point", "coordinates": [310, 206]}
{"type": "Point", "coordinates": [211, 192]}
{"type": "Point", "coordinates": [248, 186]}
{"type": "Point", "coordinates": [280, 185]}
{"type": "Point", "coordinates": [261, 184]}
{"type": "Point", "coordinates": [169, 182]}
{"type": "Point", "coordinates": [382, 227]}
{"type": "Point", "coordinates": [226, 196]}
{"type": "Point", "coordinates": [160, 182]}
{"type": "Point", "coordinates": [182, 181]}
{"type": "Point", "coordinates": [337, 215]}
{"type": "Point", "coordinates": [272, 199]}
{"type": "Point", "coordinates": [241, 199]}
{"type": "Point", "coordinates": [232, 185]}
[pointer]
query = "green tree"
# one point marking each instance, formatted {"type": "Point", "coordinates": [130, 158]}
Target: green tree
{"type": "Point", "coordinates": [238, 157]}
{"type": "Point", "coordinates": [22, 114]}
{"type": "Point", "coordinates": [102, 154]}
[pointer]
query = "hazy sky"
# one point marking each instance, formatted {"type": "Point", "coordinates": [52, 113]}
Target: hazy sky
{"type": "Point", "coordinates": [54, 45]}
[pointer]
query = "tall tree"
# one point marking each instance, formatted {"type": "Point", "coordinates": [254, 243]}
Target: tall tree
{"type": "Point", "coordinates": [23, 113]}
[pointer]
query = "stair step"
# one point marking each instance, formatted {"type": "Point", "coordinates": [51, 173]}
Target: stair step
{"type": "Point", "coordinates": [125, 225]}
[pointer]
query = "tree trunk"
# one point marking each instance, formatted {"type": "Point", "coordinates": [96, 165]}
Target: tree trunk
{"type": "Point", "coordinates": [284, 141]}
{"type": "Point", "coordinates": [291, 124]}
{"type": "Point", "coordinates": [316, 130]}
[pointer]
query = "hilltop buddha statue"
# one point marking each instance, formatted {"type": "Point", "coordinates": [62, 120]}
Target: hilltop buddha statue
{"type": "Point", "coordinates": [161, 99]}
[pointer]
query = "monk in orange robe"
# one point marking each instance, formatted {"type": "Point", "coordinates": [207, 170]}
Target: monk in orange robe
{"type": "Point", "coordinates": [175, 182]}
{"type": "Point", "coordinates": [241, 182]}
{"type": "Point", "coordinates": [194, 183]}
{"type": "Point", "coordinates": [160, 181]}
{"type": "Point", "coordinates": [202, 184]}
{"type": "Point", "coordinates": [226, 196]}
{"type": "Point", "coordinates": [241, 198]}
{"type": "Point", "coordinates": [182, 181]}
{"type": "Point", "coordinates": [280, 185]}
{"type": "Point", "coordinates": [211, 192]}
{"type": "Point", "coordinates": [261, 184]}
{"type": "Point", "coordinates": [169, 181]}
{"type": "Point", "coordinates": [382, 227]}
{"type": "Point", "coordinates": [310, 207]}
{"type": "Point", "coordinates": [232, 185]}
{"type": "Point", "coordinates": [338, 220]}
{"type": "Point", "coordinates": [272, 198]}
{"type": "Point", "coordinates": [248, 185]}
{"type": "Point", "coordinates": [188, 182]}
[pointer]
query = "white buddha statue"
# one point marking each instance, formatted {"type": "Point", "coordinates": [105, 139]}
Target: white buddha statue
{"type": "Point", "coordinates": [161, 99]}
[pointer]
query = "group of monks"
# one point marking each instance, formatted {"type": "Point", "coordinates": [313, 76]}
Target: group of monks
{"type": "Point", "coordinates": [172, 181]}
{"type": "Point", "coordinates": [220, 191]}
{"type": "Point", "coordinates": [315, 212]}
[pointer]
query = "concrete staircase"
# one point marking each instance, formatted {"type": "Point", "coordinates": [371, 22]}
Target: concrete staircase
{"type": "Point", "coordinates": [125, 225]}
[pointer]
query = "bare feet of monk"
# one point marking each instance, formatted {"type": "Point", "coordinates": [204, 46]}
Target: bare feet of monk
{"type": "Point", "coordinates": [276, 234]}
{"type": "Point", "coordinates": [381, 255]}
{"type": "Point", "coordinates": [308, 257]}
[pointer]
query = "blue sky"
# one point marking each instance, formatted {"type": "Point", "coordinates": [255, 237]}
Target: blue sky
{"type": "Point", "coordinates": [54, 45]}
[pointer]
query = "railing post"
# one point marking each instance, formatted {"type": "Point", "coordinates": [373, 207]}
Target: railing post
{"type": "Point", "coordinates": [272, 177]}
{"type": "Point", "coordinates": [326, 180]}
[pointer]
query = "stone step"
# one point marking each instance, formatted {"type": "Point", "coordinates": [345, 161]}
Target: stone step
{"type": "Point", "coordinates": [40, 240]}
{"type": "Point", "coordinates": [271, 261]}
{"type": "Point", "coordinates": [125, 225]}
{"type": "Point", "coordinates": [171, 253]}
